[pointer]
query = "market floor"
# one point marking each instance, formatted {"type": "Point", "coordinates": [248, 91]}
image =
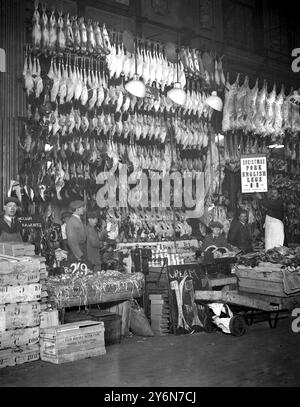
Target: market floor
{"type": "Point", "coordinates": [262, 357]}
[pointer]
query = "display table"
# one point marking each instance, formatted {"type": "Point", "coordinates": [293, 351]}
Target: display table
{"type": "Point", "coordinates": [111, 286]}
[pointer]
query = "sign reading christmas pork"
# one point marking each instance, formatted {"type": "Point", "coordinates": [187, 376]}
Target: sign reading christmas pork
{"type": "Point", "coordinates": [254, 177]}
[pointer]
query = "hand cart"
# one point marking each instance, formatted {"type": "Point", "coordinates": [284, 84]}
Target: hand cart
{"type": "Point", "coordinates": [251, 303]}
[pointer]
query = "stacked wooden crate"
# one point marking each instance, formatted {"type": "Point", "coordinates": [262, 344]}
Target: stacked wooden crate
{"type": "Point", "coordinates": [43, 278]}
{"type": "Point", "coordinates": [17, 249]}
{"type": "Point", "coordinates": [266, 278]}
{"type": "Point", "coordinates": [20, 307]}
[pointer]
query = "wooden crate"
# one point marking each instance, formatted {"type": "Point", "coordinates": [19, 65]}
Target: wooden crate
{"type": "Point", "coordinates": [20, 315]}
{"type": "Point", "coordinates": [74, 341]}
{"type": "Point", "coordinates": [7, 358]}
{"type": "Point", "coordinates": [49, 318]}
{"type": "Point", "coordinates": [17, 249]}
{"type": "Point", "coordinates": [27, 277]}
{"type": "Point", "coordinates": [20, 293]}
{"type": "Point", "coordinates": [18, 356]}
{"type": "Point", "coordinates": [19, 266]}
{"type": "Point", "coordinates": [19, 337]}
{"type": "Point", "coordinates": [27, 354]}
{"type": "Point", "coordinates": [261, 282]}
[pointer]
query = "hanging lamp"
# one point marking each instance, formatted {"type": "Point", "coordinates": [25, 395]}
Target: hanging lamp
{"type": "Point", "coordinates": [215, 102]}
{"type": "Point", "coordinates": [135, 86]}
{"type": "Point", "coordinates": [177, 94]}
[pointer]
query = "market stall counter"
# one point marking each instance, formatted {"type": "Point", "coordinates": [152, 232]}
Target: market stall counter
{"type": "Point", "coordinates": [71, 290]}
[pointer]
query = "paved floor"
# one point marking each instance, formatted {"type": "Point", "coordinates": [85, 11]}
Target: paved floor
{"type": "Point", "coordinates": [262, 357]}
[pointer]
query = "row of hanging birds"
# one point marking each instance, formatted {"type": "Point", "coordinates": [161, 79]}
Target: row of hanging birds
{"type": "Point", "coordinates": [78, 161]}
{"type": "Point", "coordinates": [86, 85]}
{"type": "Point", "coordinates": [151, 225]}
{"type": "Point", "coordinates": [257, 111]}
{"type": "Point", "coordinates": [85, 80]}
{"type": "Point", "coordinates": [75, 35]}
{"type": "Point", "coordinates": [205, 65]}
{"type": "Point", "coordinates": [53, 34]}
{"type": "Point", "coordinates": [131, 127]}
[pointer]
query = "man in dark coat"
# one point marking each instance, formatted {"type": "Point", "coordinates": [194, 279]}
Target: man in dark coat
{"type": "Point", "coordinates": [95, 243]}
{"type": "Point", "coordinates": [10, 227]}
{"type": "Point", "coordinates": [76, 233]}
{"type": "Point", "coordinates": [239, 234]}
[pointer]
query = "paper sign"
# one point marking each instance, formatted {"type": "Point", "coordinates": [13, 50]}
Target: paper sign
{"type": "Point", "coordinates": [254, 173]}
{"type": "Point", "coordinates": [29, 222]}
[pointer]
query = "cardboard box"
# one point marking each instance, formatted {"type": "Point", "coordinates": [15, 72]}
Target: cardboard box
{"type": "Point", "coordinates": [74, 341]}
{"type": "Point", "coordinates": [20, 293]}
{"type": "Point", "coordinates": [18, 356]}
{"type": "Point", "coordinates": [21, 315]}
{"type": "Point", "coordinates": [19, 337]}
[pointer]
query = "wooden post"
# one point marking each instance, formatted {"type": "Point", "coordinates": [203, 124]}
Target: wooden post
{"type": "Point", "coordinates": [12, 96]}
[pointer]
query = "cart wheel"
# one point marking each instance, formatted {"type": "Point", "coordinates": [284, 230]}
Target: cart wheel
{"type": "Point", "coordinates": [208, 325]}
{"type": "Point", "coordinates": [237, 326]}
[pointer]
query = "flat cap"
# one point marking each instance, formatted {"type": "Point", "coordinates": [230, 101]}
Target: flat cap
{"type": "Point", "coordinates": [76, 204]}
{"type": "Point", "coordinates": [92, 214]}
{"type": "Point", "coordinates": [216, 224]}
{"type": "Point", "coordinates": [11, 199]}
{"type": "Point", "coordinates": [66, 214]}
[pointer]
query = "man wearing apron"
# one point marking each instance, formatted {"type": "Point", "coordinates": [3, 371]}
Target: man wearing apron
{"type": "Point", "coordinates": [274, 227]}
{"type": "Point", "coordinates": [76, 233]}
{"type": "Point", "coordinates": [10, 227]}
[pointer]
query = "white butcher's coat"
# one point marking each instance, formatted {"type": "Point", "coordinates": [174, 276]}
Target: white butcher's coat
{"type": "Point", "coordinates": [274, 233]}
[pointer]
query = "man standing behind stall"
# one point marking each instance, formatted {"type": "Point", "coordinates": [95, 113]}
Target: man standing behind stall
{"type": "Point", "coordinates": [239, 234]}
{"type": "Point", "coordinates": [76, 233]}
{"type": "Point", "coordinates": [274, 226]}
{"type": "Point", "coordinates": [10, 227]}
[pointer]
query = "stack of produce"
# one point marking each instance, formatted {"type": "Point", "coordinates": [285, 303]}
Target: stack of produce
{"type": "Point", "coordinates": [20, 307]}
{"type": "Point", "coordinates": [289, 258]}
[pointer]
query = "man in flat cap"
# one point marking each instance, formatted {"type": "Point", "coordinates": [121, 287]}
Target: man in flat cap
{"type": "Point", "coordinates": [76, 233]}
{"type": "Point", "coordinates": [215, 238]}
{"type": "Point", "coordinates": [10, 227]}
